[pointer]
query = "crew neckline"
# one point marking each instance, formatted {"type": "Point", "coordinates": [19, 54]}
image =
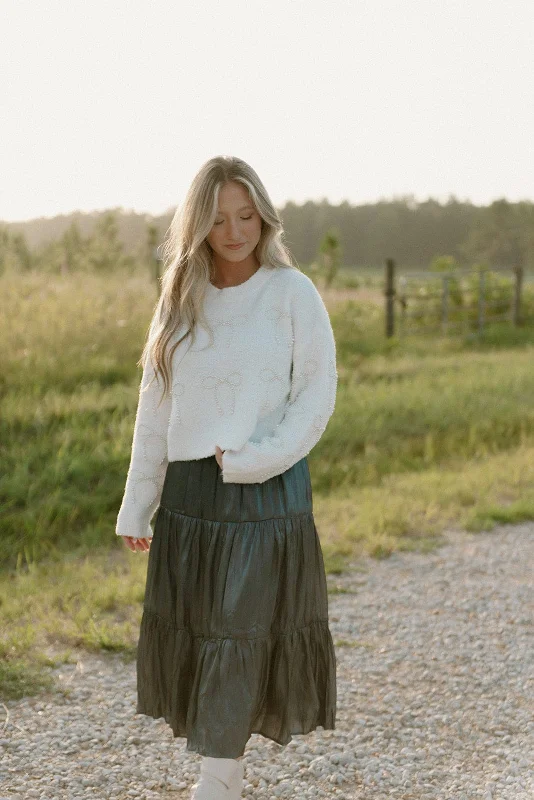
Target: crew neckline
{"type": "Point", "coordinates": [239, 287]}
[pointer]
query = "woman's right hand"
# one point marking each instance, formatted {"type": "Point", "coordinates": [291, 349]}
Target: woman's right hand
{"type": "Point", "coordinates": [134, 544]}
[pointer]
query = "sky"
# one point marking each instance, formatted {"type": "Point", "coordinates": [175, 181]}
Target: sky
{"type": "Point", "coordinates": [119, 104]}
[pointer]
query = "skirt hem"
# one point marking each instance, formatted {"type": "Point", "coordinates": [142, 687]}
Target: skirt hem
{"type": "Point", "coordinates": [255, 677]}
{"type": "Point", "coordinates": [303, 730]}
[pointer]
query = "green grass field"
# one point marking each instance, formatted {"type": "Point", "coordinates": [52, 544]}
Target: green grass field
{"type": "Point", "coordinates": [428, 434]}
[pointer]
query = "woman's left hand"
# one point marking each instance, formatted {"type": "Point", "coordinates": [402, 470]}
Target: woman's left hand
{"type": "Point", "coordinates": [218, 455]}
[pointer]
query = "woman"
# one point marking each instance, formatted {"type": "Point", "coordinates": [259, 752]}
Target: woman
{"type": "Point", "coordinates": [234, 637]}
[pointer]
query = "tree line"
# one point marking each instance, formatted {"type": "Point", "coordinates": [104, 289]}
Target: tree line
{"type": "Point", "coordinates": [500, 234]}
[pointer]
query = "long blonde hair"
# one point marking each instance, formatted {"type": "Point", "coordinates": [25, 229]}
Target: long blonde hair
{"type": "Point", "coordinates": [187, 256]}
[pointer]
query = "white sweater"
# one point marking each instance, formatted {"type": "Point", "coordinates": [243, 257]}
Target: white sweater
{"type": "Point", "coordinates": [263, 392]}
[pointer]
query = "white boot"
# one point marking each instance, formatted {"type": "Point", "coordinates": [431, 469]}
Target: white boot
{"type": "Point", "coordinates": [220, 779]}
{"type": "Point", "coordinates": [236, 784]}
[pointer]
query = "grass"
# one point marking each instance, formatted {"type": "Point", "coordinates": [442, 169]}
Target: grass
{"type": "Point", "coordinates": [51, 609]}
{"type": "Point", "coordinates": [428, 434]}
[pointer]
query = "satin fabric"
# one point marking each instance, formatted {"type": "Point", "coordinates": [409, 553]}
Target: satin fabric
{"type": "Point", "coordinates": [234, 636]}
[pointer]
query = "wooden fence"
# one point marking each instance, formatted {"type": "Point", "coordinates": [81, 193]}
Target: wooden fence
{"type": "Point", "coordinates": [463, 300]}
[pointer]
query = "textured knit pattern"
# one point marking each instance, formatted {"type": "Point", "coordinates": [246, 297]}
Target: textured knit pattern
{"type": "Point", "coordinates": [263, 390]}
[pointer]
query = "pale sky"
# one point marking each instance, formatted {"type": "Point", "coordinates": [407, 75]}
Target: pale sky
{"type": "Point", "coordinates": [107, 104]}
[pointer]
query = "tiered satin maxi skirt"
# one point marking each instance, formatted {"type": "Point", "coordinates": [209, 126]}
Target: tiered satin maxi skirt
{"type": "Point", "coordinates": [234, 637]}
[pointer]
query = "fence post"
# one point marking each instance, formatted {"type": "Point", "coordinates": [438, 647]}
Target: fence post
{"type": "Point", "coordinates": [390, 295]}
{"type": "Point", "coordinates": [516, 314]}
{"type": "Point", "coordinates": [403, 303]}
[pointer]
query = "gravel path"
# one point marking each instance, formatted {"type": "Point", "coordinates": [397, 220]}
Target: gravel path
{"type": "Point", "coordinates": [435, 697]}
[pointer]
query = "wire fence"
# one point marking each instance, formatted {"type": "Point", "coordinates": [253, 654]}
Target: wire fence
{"type": "Point", "coordinates": [456, 301]}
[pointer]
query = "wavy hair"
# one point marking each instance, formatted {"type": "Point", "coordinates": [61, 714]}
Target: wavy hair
{"type": "Point", "coordinates": [188, 260]}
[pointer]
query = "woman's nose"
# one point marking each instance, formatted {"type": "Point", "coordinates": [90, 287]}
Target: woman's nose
{"type": "Point", "coordinates": [233, 227]}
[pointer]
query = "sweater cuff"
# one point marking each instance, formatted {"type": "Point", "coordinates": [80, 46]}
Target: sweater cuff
{"type": "Point", "coordinates": [135, 533]}
{"type": "Point", "coordinates": [243, 466]}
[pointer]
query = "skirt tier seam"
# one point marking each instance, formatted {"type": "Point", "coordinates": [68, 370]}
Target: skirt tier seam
{"type": "Point", "coordinates": [319, 620]}
{"type": "Point", "coordinates": [235, 521]}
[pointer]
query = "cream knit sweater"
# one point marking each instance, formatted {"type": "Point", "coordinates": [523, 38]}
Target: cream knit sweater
{"type": "Point", "coordinates": [263, 391]}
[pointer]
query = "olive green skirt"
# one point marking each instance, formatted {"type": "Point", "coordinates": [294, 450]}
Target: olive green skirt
{"type": "Point", "coordinates": [234, 637]}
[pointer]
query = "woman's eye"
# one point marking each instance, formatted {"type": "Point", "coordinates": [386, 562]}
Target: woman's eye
{"type": "Point", "coordinates": [243, 218]}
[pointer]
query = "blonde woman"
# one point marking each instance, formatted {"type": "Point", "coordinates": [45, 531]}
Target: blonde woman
{"type": "Point", "coordinates": [239, 381]}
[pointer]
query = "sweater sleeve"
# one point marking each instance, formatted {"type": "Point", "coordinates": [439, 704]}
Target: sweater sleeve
{"type": "Point", "coordinates": [311, 399]}
{"type": "Point", "coordinates": [149, 458]}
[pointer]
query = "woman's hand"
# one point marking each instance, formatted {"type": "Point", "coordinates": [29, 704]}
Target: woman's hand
{"type": "Point", "coordinates": [218, 455]}
{"type": "Point", "coordinates": [135, 544]}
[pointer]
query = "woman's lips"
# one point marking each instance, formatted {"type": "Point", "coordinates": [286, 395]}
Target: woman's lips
{"type": "Point", "coordinates": [234, 246]}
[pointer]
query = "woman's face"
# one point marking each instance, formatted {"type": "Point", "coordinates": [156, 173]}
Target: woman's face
{"type": "Point", "coordinates": [237, 222]}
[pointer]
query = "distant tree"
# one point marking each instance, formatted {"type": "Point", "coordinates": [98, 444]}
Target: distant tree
{"type": "Point", "coordinates": [154, 259]}
{"type": "Point", "coordinates": [104, 249]}
{"type": "Point", "coordinates": [4, 249]}
{"type": "Point", "coordinates": [22, 252]}
{"type": "Point", "coordinates": [15, 255]}
{"type": "Point", "coordinates": [330, 255]}
{"type": "Point", "coordinates": [496, 236]}
{"type": "Point", "coordinates": [73, 246]}
{"type": "Point", "coordinates": [525, 213]}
